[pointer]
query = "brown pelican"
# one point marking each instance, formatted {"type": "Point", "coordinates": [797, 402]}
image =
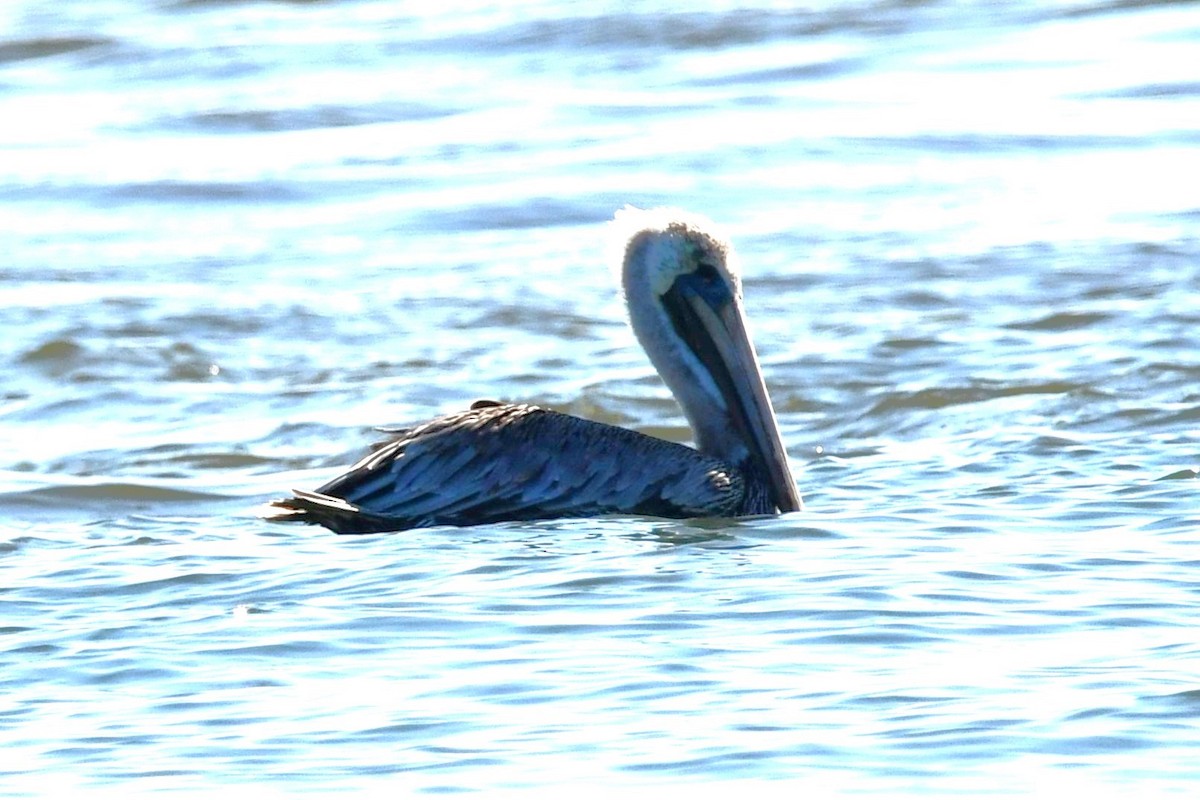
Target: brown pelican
{"type": "Point", "coordinates": [501, 461]}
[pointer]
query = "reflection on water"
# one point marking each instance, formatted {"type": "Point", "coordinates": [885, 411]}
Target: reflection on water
{"type": "Point", "coordinates": [239, 235]}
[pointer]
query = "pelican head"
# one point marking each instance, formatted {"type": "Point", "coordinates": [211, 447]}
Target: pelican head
{"type": "Point", "coordinates": [685, 306]}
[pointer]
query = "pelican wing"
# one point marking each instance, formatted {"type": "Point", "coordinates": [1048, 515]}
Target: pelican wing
{"type": "Point", "coordinates": [501, 462]}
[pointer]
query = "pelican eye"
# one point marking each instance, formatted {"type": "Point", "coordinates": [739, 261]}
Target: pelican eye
{"type": "Point", "coordinates": [707, 273]}
{"type": "Point", "coordinates": [706, 281]}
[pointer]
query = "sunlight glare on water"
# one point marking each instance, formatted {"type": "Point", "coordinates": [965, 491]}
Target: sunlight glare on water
{"type": "Point", "coordinates": [239, 235]}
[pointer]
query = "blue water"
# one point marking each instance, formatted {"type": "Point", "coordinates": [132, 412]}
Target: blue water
{"type": "Point", "coordinates": [236, 236]}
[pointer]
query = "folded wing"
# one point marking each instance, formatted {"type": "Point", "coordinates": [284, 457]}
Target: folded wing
{"type": "Point", "coordinates": [500, 462]}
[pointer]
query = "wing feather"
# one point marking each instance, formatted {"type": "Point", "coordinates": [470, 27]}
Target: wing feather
{"type": "Point", "coordinates": [499, 462]}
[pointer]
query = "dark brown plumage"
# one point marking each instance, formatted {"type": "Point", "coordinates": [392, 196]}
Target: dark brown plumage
{"type": "Point", "coordinates": [501, 462]}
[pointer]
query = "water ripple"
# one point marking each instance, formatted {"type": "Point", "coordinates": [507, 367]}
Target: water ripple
{"type": "Point", "coordinates": [269, 227]}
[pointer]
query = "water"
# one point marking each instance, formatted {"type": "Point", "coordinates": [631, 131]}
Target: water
{"type": "Point", "coordinates": [238, 235]}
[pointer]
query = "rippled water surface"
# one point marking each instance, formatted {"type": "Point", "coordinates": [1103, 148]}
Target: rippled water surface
{"type": "Point", "coordinates": [238, 235]}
